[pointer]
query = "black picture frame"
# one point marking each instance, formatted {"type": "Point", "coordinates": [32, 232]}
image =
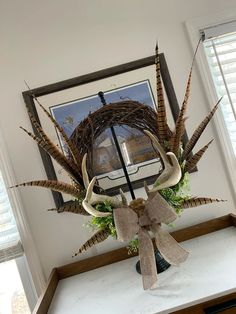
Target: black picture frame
{"type": "Point", "coordinates": [29, 95]}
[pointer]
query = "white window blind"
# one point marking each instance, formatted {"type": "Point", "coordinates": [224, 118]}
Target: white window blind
{"type": "Point", "coordinates": [10, 246]}
{"type": "Point", "coordinates": [220, 48]}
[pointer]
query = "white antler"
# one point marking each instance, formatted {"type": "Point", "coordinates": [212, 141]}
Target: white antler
{"type": "Point", "coordinates": [171, 174]}
{"type": "Point", "coordinates": [123, 198]}
{"type": "Point", "coordinates": [92, 198]}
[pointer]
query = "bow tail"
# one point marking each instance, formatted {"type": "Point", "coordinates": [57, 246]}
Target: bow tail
{"type": "Point", "coordinates": [169, 248]}
{"type": "Point", "coordinates": [147, 260]}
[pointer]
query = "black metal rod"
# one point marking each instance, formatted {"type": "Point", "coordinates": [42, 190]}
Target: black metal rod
{"type": "Point", "coordinates": [103, 101]}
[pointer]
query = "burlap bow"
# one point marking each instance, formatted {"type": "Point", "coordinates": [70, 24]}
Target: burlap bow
{"type": "Point", "coordinates": [129, 223]}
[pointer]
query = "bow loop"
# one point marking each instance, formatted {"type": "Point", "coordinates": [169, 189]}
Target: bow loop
{"type": "Point", "coordinates": [126, 222]}
{"type": "Point", "coordinates": [169, 248]}
{"type": "Point", "coordinates": [159, 210]}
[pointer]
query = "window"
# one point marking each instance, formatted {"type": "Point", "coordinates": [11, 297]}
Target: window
{"type": "Point", "coordinates": [10, 245]}
{"type": "Point", "coordinates": [220, 49]}
{"type": "Point", "coordinates": [12, 295]}
{"type": "Point", "coordinates": [15, 278]}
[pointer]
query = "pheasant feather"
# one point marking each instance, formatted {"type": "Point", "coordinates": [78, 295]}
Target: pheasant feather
{"type": "Point", "coordinates": [197, 133]}
{"type": "Point", "coordinates": [53, 185]}
{"type": "Point", "coordinates": [38, 127]}
{"type": "Point", "coordinates": [198, 201]}
{"type": "Point", "coordinates": [175, 141]}
{"type": "Point", "coordinates": [187, 92]}
{"type": "Point", "coordinates": [47, 140]}
{"type": "Point", "coordinates": [52, 148]}
{"type": "Point", "coordinates": [74, 207]}
{"type": "Point", "coordinates": [180, 128]}
{"type": "Point", "coordinates": [54, 152]}
{"type": "Point", "coordinates": [98, 237]}
{"type": "Point", "coordinates": [162, 126]}
{"type": "Point", "coordinates": [71, 147]}
{"type": "Point", "coordinates": [192, 162]}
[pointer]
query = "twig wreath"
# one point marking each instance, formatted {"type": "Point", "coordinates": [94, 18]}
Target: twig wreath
{"type": "Point", "coordinates": [129, 113]}
{"type": "Point", "coordinates": [141, 219]}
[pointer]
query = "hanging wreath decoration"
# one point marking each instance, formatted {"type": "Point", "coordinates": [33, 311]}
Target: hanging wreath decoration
{"type": "Point", "coordinates": [138, 220]}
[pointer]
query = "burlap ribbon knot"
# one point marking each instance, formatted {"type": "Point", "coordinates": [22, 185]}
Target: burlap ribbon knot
{"type": "Point", "coordinates": [129, 223]}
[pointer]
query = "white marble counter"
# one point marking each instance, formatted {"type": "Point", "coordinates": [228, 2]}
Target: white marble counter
{"type": "Point", "coordinates": [208, 273]}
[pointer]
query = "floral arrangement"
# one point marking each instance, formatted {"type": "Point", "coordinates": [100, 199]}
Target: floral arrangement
{"type": "Point", "coordinates": [137, 221]}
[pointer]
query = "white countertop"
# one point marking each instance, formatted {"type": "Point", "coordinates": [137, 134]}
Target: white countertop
{"type": "Point", "coordinates": [209, 272]}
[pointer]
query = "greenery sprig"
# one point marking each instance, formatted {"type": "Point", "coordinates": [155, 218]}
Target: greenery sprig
{"type": "Point", "coordinates": [101, 223]}
{"type": "Point", "coordinates": [177, 194]}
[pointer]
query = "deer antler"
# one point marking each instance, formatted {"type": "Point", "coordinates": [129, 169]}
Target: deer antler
{"type": "Point", "coordinates": [92, 198]}
{"type": "Point", "coordinates": [171, 174]}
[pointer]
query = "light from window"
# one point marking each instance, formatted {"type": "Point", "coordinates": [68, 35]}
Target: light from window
{"type": "Point", "coordinates": [12, 296]}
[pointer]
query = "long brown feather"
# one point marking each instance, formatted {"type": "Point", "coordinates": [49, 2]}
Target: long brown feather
{"type": "Point", "coordinates": [53, 185]}
{"type": "Point", "coordinates": [51, 146]}
{"type": "Point", "coordinates": [74, 207]}
{"type": "Point", "coordinates": [197, 133]}
{"type": "Point", "coordinates": [175, 141]}
{"type": "Point", "coordinates": [198, 201]}
{"type": "Point", "coordinates": [180, 125]}
{"type": "Point", "coordinates": [98, 237]}
{"type": "Point", "coordinates": [162, 126]}
{"type": "Point", "coordinates": [55, 153]}
{"type": "Point", "coordinates": [72, 148]}
{"type": "Point", "coordinates": [192, 162]}
{"type": "Point", "coordinates": [38, 127]}
{"type": "Point", "coordinates": [187, 91]}
{"type": "Point", "coordinates": [180, 128]}
{"type": "Point", "coordinates": [48, 142]}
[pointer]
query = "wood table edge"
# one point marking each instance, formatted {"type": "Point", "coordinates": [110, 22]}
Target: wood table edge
{"type": "Point", "coordinates": [45, 299]}
{"type": "Point", "coordinates": [201, 307]}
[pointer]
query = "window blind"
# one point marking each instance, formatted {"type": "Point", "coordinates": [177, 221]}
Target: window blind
{"type": "Point", "coordinates": [220, 48]}
{"type": "Point", "coordinates": [10, 246]}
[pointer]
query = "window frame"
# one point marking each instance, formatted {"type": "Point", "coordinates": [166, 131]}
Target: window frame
{"type": "Point", "coordinates": [29, 267]}
{"type": "Point", "coordinates": [27, 281]}
{"type": "Point", "coordinates": [194, 26]}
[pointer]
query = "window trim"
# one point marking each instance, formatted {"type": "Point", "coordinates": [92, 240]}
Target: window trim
{"type": "Point", "coordinates": [27, 281]}
{"type": "Point", "coordinates": [30, 252]}
{"type": "Point", "coordinates": [194, 27]}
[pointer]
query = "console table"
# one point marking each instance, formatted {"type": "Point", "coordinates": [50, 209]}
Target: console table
{"type": "Point", "coordinates": [108, 283]}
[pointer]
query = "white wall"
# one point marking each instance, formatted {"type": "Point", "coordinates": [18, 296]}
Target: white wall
{"type": "Point", "coordinates": [47, 41]}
